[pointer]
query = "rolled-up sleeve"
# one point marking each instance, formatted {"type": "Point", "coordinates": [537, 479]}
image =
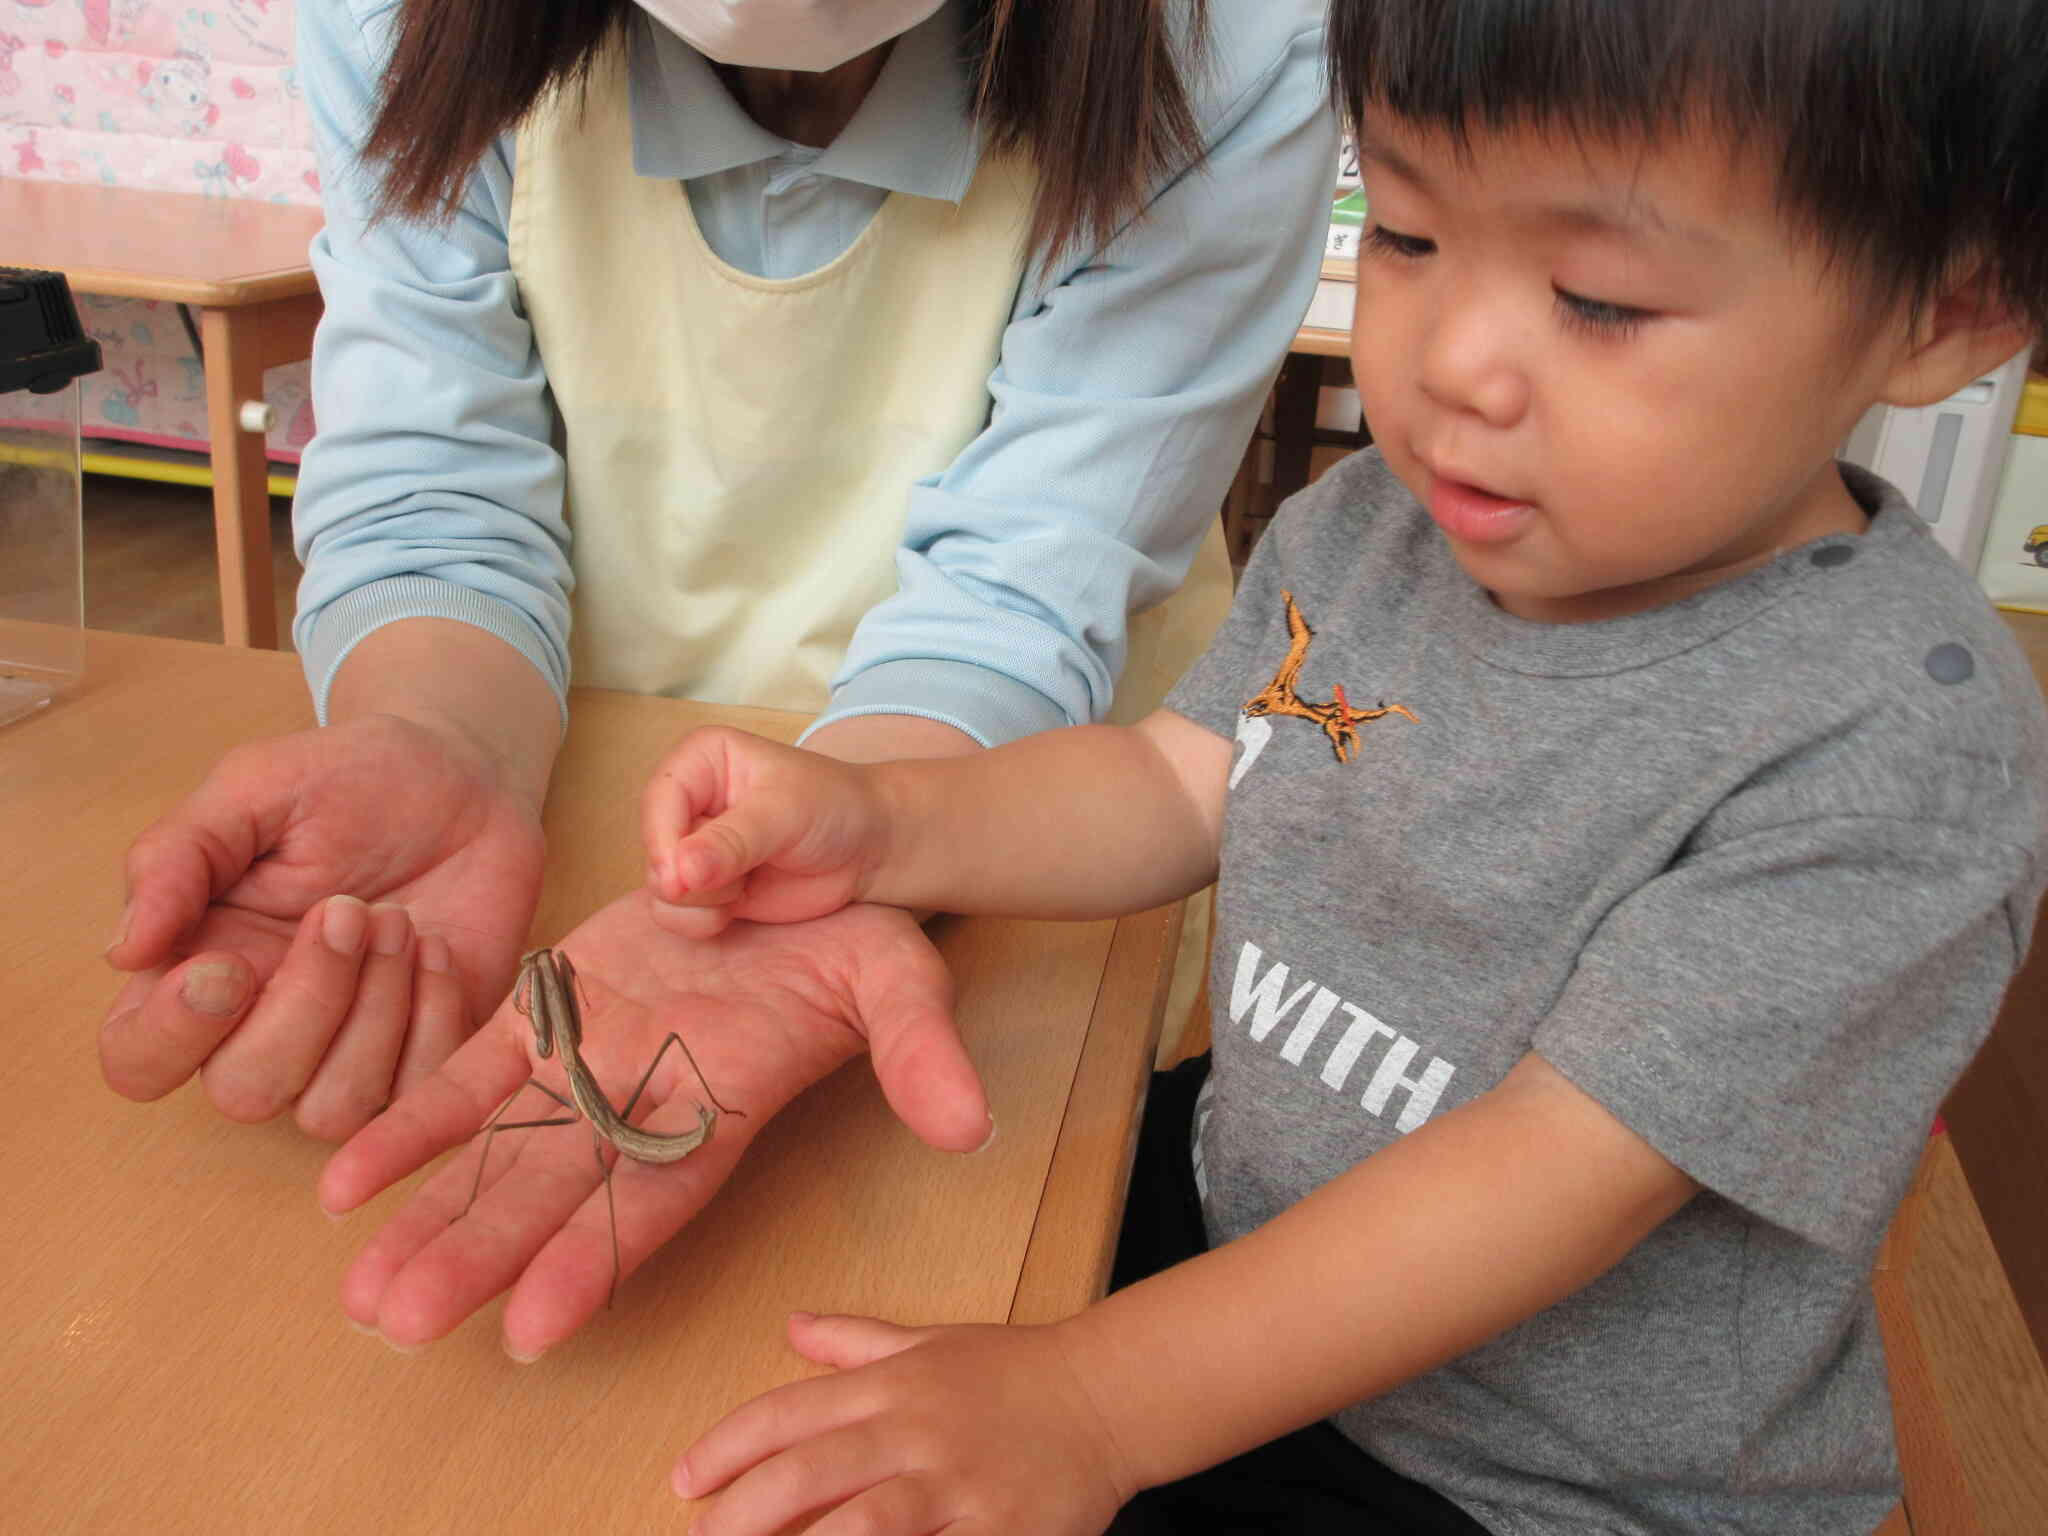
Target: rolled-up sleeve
{"type": "Point", "coordinates": [1127, 387]}
{"type": "Point", "coordinates": [433, 488]}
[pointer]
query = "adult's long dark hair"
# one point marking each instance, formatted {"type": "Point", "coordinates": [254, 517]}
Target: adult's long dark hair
{"type": "Point", "coordinates": [1094, 90]}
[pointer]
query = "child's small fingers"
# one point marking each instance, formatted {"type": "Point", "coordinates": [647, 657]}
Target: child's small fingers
{"type": "Point", "coordinates": [719, 854]}
{"type": "Point", "coordinates": [815, 1472]}
{"type": "Point", "coordinates": [684, 789]}
{"type": "Point", "coordinates": [709, 896]}
{"type": "Point", "coordinates": [906, 1504]}
{"type": "Point", "coordinates": [690, 921]}
{"type": "Point", "coordinates": [762, 1428]}
{"type": "Point", "coordinates": [764, 828]}
{"type": "Point", "coordinates": [845, 1342]}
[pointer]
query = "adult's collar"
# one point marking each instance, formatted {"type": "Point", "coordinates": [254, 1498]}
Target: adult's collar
{"type": "Point", "coordinates": [914, 133]}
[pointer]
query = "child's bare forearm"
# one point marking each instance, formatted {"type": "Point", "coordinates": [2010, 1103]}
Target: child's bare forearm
{"type": "Point", "coordinates": [1474, 1223]}
{"type": "Point", "coordinates": [1095, 821]}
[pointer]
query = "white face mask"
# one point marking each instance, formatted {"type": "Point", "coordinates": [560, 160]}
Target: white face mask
{"type": "Point", "coordinates": [813, 35]}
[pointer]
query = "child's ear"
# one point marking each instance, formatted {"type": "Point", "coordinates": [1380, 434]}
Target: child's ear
{"type": "Point", "coordinates": [1963, 334]}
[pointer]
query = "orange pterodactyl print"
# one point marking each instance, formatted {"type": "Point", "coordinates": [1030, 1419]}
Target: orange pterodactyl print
{"type": "Point", "coordinates": [1338, 719]}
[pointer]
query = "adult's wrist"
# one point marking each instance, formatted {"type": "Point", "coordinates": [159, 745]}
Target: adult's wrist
{"type": "Point", "coordinates": [479, 697]}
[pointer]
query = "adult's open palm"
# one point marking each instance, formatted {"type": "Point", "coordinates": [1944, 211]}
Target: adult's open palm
{"type": "Point", "coordinates": [766, 1011]}
{"type": "Point", "coordinates": [323, 1003]}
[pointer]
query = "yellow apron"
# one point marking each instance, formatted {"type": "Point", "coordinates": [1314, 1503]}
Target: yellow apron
{"type": "Point", "coordinates": [741, 449]}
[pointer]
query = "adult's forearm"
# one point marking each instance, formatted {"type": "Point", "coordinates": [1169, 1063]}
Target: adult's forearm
{"type": "Point", "coordinates": [461, 681]}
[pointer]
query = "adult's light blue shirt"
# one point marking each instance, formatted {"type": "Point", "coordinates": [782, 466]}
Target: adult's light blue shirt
{"type": "Point", "coordinates": [1127, 385]}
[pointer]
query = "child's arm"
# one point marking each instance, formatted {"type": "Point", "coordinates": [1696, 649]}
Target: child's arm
{"type": "Point", "coordinates": [1478, 1220]}
{"type": "Point", "coordinates": [1095, 821]}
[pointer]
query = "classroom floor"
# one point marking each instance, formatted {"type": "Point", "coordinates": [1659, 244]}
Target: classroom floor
{"type": "Point", "coordinates": [149, 560]}
{"type": "Point", "coordinates": [150, 570]}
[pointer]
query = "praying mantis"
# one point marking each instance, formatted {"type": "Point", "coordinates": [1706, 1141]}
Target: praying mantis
{"type": "Point", "coordinates": [546, 994]}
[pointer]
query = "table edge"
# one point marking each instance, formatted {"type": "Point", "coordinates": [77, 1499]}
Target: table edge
{"type": "Point", "coordinates": [1073, 1237]}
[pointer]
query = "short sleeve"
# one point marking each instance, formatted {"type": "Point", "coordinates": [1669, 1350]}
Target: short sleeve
{"type": "Point", "coordinates": [1212, 691]}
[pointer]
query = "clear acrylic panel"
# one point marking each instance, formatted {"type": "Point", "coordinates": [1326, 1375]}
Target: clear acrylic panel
{"type": "Point", "coordinates": [42, 575]}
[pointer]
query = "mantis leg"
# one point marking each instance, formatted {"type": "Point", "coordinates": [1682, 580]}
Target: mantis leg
{"type": "Point", "coordinates": [611, 1207]}
{"type": "Point", "coordinates": [597, 1140]}
{"type": "Point", "coordinates": [676, 1040]}
{"type": "Point", "coordinates": [491, 1127]}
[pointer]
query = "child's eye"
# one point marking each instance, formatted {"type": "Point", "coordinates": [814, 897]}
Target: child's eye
{"type": "Point", "coordinates": [1388, 242]}
{"type": "Point", "coordinates": [1597, 315]}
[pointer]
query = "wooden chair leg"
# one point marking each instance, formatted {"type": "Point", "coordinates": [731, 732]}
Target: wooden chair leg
{"type": "Point", "coordinates": [1938, 1499]}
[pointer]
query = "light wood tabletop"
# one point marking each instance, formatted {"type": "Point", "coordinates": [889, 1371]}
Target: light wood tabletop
{"type": "Point", "coordinates": [175, 1357]}
{"type": "Point", "coordinates": [173, 246]}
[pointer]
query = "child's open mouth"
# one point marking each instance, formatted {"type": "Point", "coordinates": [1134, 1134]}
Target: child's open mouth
{"type": "Point", "coordinates": [1476, 516]}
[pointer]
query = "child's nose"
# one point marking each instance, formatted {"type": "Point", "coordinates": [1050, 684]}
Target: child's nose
{"type": "Point", "coordinates": [1470, 363]}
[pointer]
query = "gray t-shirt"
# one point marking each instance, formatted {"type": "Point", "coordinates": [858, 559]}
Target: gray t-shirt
{"type": "Point", "coordinates": [1752, 869]}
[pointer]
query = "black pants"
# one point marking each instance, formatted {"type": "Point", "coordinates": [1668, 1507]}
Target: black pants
{"type": "Point", "coordinates": [1310, 1481]}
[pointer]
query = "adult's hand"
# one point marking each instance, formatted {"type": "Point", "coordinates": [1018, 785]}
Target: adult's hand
{"type": "Point", "coordinates": [766, 1010]}
{"type": "Point", "coordinates": [321, 923]}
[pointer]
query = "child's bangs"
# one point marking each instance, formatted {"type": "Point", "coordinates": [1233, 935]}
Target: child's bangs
{"type": "Point", "coordinates": [1904, 132]}
{"type": "Point", "coordinates": [1600, 67]}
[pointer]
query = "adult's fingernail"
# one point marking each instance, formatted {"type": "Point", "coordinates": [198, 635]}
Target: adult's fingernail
{"type": "Point", "coordinates": [214, 986]}
{"type": "Point", "coordinates": [343, 924]}
{"type": "Point", "coordinates": [390, 927]}
{"type": "Point", "coordinates": [121, 928]}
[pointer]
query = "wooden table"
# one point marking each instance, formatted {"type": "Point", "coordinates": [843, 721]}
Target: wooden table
{"type": "Point", "coordinates": [175, 1358]}
{"type": "Point", "coordinates": [243, 266]}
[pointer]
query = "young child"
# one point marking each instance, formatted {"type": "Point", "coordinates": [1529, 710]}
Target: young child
{"type": "Point", "coordinates": [1627, 819]}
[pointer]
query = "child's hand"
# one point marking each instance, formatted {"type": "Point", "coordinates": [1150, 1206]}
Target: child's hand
{"type": "Point", "coordinates": [739, 827]}
{"type": "Point", "coordinates": [924, 1429]}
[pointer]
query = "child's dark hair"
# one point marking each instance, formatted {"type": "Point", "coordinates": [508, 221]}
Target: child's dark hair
{"type": "Point", "coordinates": [1910, 134]}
